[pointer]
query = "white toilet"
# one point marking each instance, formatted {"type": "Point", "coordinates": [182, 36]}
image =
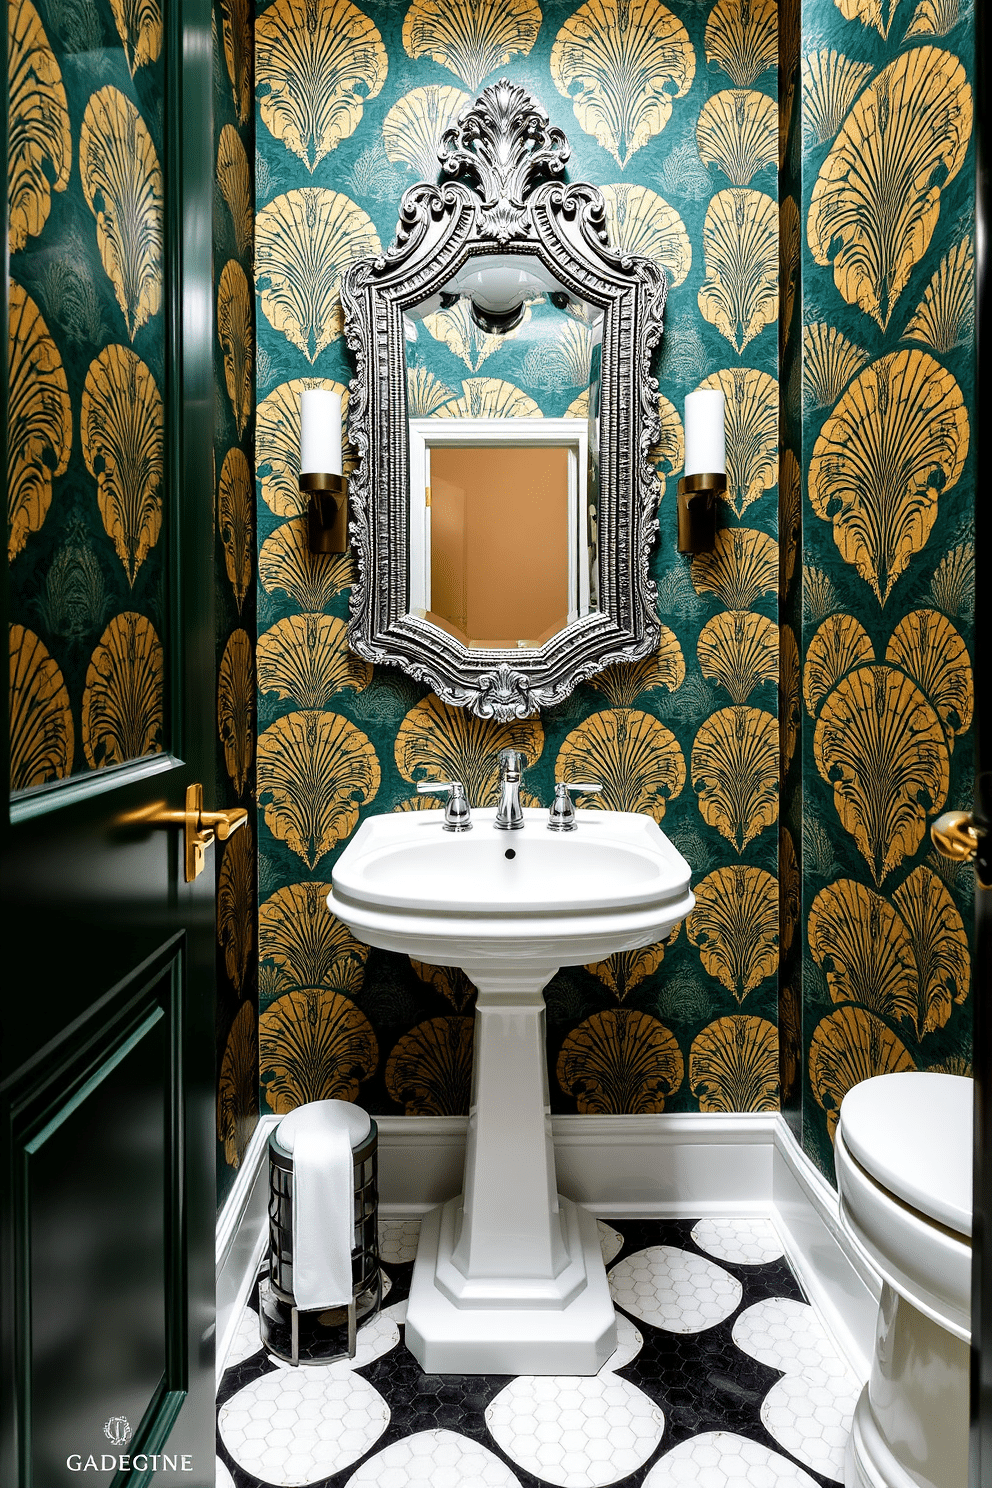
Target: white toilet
{"type": "Point", "coordinates": [904, 1154]}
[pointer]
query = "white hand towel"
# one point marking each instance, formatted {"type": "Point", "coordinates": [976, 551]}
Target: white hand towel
{"type": "Point", "coordinates": [321, 1136]}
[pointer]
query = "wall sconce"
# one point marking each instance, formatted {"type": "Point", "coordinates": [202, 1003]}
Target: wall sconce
{"type": "Point", "coordinates": [705, 475]}
{"type": "Point", "coordinates": [321, 480]}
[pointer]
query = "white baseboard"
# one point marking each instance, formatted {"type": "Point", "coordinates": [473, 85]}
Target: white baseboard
{"type": "Point", "coordinates": [669, 1166]}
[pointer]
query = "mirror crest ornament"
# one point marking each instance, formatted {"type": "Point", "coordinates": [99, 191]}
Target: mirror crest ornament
{"type": "Point", "coordinates": [501, 193]}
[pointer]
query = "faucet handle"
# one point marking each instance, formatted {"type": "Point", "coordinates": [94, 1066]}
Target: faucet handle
{"type": "Point", "coordinates": [457, 813]}
{"type": "Point", "coordinates": [561, 817]}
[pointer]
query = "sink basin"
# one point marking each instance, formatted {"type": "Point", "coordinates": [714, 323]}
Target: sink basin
{"type": "Point", "coordinates": [509, 1277]}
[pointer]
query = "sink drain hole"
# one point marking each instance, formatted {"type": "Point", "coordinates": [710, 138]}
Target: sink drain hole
{"type": "Point", "coordinates": [510, 853]}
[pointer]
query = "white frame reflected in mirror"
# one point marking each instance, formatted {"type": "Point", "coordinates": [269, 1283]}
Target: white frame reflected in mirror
{"type": "Point", "coordinates": [571, 434]}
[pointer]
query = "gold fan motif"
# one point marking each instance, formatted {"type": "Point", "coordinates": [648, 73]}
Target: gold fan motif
{"type": "Point", "coordinates": [738, 649]}
{"type": "Point", "coordinates": [412, 129]}
{"type": "Point", "coordinates": [640, 221]}
{"type": "Point", "coordinates": [122, 184]}
{"type": "Point", "coordinates": [624, 682]}
{"type": "Point", "coordinates": [456, 329]}
{"type": "Point", "coordinates": [277, 443]}
{"type": "Point", "coordinates": [439, 742]}
{"type": "Point", "coordinates": [847, 1047]}
{"type": "Point", "coordinates": [752, 434]}
{"type": "Point", "coordinates": [945, 317]}
{"type": "Point", "coordinates": [236, 707]}
{"type": "Point", "coordinates": [304, 241]}
{"type": "Point", "coordinates": [39, 153]}
{"type": "Point", "coordinates": [236, 186]}
{"type": "Point", "coordinates": [310, 579]}
{"type": "Point", "coordinates": [489, 397]}
{"type": "Point", "coordinates": [881, 746]}
{"type": "Point", "coordinates": [315, 772]}
{"type": "Point", "coordinates": [742, 38]}
{"type": "Point", "coordinates": [934, 18]}
{"type": "Point", "coordinates": [469, 38]}
{"type": "Point", "coordinates": [740, 250]}
{"type": "Point", "coordinates": [236, 903]}
{"type": "Point", "coordinates": [313, 1045]}
{"type": "Point", "coordinates": [42, 734]}
{"type": "Point", "coordinates": [952, 588]}
{"type": "Point", "coordinates": [39, 418]}
{"type": "Point", "coordinates": [450, 981]}
{"type": "Point", "coordinates": [237, 338]}
{"type": "Point", "coordinates": [830, 84]}
{"type": "Point", "coordinates": [819, 596]}
{"type": "Point", "coordinates": [579, 408]}
{"type": "Point", "coordinates": [939, 940]}
{"type": "Point", "coordinates": [742, 566]}
{"type": "Point", "coordinates": [635, 756]}
{"type": "Point", "coordinates": [737, 130]}
{"type": "Point", "coordinates": [620, 1062]}
{"type": "Point", "coordinates": [790, 709]}
{"type": "Point", "coordinates": [236, 521]}
{"type": "Point", "coordinates": [895, 441]}
{"type": "Point", "coordinates": [733, 1065]}
{"type": "Point", "coordinates": [628, 969]}
{"type": "Point", "coordinates": [735, 927]}
{"type": "Point", "coordinates": [306, 946]}
{"type": "Point", "coordinates": [830, 361]}
{"type": "Point", "coordinates": [623, 63]}
{"type": "Point", "coordinates": [306, 658]}
{"type": "Point", "coordinates": [124, 694]}
{"type": "Point", "coordinates": [839, 645]}
{"type": "Point", "coordinates": [864, 950]}
{"type": "Point", "coordinates": [315, 68]}
{"type": "Point", "coordinates": [139, 26]}
{"type": "Point", "coordinates": [122, 431]}
{"type": "Point", "coordinates": [927, 647]}
{"type": "Point", "coordinates": [735, 773]}
{"type": "Point", "coordinates": [789, 514]}
{"type": "Point", "coordinates": [876, 200]}
{"type": "Point", "coordinates": [236, 27]}
{"type": "Point", "coordinates": [425, 393]}
{"type": "Point", "coordinates": [668, 455]}
{"type": "Point", "coordinates": [789, 889]}
{"type": "Point", "coordinates": [790, 247]}
{"type": "Point", "coordinates": [429, 1073]}
{"type": "Point", "coordinates": [877, 13]}
{"type": "Point", "coordinates": [237, 1087]}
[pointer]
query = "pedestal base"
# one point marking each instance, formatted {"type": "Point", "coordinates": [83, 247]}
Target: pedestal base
{"type": "Point", "coordinates": [501, 1338]}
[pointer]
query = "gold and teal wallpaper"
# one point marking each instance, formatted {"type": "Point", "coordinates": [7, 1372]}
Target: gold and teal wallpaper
{"type": "Point", "coordinates": [878, 248]}
{"type": "Point", "coordinates": [234, 862]}
{"type": "Point", "coordinates": [86, 368]}
{"type": "Point", "coordinates": [672, 111]}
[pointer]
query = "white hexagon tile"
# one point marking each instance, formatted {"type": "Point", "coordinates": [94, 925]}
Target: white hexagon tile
{"type": "Point", "coordinates": [574, 1431]}
{"type": "Point", "coordinates": [247, 1339]}
{"type": "Point", "coordinates": [674, 1289]}
{"type": "Point", "coordinates": [434, 1459]}
{"type": "Point", "coordinates": [744, 1242]}
{"type": "Point", "coordinates": [721, 1459]}
{"type": "Point", "coordinates": [398, 1240]}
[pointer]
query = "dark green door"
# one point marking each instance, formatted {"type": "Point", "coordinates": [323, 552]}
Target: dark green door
{"type": "Point", "coordinates": [107, 1091]}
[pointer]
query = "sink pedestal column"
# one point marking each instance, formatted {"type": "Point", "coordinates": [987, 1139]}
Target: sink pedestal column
{"type": "Point", "coordinates": [509, 1278]}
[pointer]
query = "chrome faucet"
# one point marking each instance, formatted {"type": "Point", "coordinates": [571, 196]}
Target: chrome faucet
{"type": "Point", "coordinates": [457, 815]}
{"type": "Point", "coordinates": [509, 815]}
{"type": "Point", "coordinates": [561, 817]}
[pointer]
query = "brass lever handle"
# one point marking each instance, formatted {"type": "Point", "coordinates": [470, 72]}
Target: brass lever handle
{"type": "Point", "coordinates": [199, 827]}
{"type": "Point", "coordinates": [955, 836]}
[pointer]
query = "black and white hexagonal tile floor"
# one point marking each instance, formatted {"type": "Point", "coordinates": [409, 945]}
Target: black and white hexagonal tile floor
{"type": "Point", "coordinates": [723, 1377]}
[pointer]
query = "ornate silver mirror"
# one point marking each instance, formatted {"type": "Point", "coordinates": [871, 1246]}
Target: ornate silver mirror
{"type": "Point", "coordinates": [502, 555]}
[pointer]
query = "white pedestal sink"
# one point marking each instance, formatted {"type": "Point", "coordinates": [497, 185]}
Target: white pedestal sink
{"type": "Point", "coordinates": [509, 1278]}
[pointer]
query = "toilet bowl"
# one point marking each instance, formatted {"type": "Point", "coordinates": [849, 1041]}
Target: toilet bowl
{"type": "Point", "coordinates": [903, 1152]}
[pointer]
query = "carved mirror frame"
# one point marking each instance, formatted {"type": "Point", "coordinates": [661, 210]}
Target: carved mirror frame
{"type": "Point", "coordinates": [501, 192]}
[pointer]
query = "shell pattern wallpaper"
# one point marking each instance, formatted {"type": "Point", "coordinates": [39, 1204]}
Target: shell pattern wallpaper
{"type": "Point", "coordinates": [876, 503]}
{"type": "Point", "coordinates": [234, 862]}
{"type": "Point", "coordinates": [85, 367]}
{"type": "Point", "coordinates": [672, 111]}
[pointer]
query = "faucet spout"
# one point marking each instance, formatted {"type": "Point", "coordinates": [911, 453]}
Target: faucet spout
{"type": "Point", "coordinates": [509, 813]}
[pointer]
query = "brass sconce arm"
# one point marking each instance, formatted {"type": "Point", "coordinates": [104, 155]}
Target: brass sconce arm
{"type": "Point", "coordinates": [697, 497]}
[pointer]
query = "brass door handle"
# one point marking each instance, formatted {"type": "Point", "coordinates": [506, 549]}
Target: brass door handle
{"type": "Point", "coordinates": [955, 836]}
{"type": "Point", "coordinates": [199, 827]}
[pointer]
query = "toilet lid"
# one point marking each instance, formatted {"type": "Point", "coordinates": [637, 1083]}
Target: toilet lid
{"type": "Point", "coordinates": [912, 1133]}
